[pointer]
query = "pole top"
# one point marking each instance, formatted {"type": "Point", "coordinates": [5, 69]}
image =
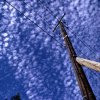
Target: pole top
{"type": "Point", "coordinates": [58, 22]}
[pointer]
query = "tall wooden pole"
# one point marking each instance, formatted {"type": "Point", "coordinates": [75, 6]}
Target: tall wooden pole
{"type": "Point", "coordinates": [84, 85]}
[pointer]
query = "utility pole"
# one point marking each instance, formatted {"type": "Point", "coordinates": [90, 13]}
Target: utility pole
{"type": "Point", "coordinates": [84, 85]}
{"type": "Point", "coordinates": [80, 75]}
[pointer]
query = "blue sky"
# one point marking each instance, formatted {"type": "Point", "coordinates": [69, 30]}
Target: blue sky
{"type": "Point", "coordinates": [34, 64]}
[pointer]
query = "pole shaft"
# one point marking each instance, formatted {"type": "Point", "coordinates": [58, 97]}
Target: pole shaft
{"type": "Point", "coordinates": [84, 85]}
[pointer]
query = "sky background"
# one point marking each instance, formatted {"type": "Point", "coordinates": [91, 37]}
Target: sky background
{"type": "Point", "coordinates": [32, 62]}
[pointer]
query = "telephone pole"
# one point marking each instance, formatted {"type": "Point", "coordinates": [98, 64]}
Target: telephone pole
{"type": "Point", "coordinates": [84, 85]}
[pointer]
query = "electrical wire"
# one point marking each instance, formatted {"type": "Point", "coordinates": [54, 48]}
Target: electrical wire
{"type": "Point", "coordinates": [88, 46]}
{"type": "Point", "coordinates": [47, 8]}
{"type": "Point", "coordinates": [35, 24]}
{"type": "Point", "coordinates": [44, 30]}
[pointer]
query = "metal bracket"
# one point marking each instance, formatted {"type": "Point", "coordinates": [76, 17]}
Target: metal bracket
{"type": "Point", "coordinates": [65, 36]}
{"type": "Point", "coordinates": [58, 22]}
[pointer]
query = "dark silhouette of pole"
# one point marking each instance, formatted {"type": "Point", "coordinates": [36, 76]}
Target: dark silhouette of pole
{"type": "Point", "coordinates": [84, 85]}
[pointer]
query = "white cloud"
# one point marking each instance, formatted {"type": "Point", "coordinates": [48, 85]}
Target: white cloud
{"type": "Point", "coordinates": [4, 34]}
{"type": "Point", "coordinates": [6, 44]}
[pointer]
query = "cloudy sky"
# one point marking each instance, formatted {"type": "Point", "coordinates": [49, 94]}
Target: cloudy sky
{"type": "Point", "coordinates": [34, 60]}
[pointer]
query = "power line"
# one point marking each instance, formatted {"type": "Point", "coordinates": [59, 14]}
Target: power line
{"type": "Point", "coordinates": [43, 29]}
{"type": "Point", "coordinates": [67, 28]}
{"type": "Point", "coordinates": [47, 8]}
{"type": "Point", "coordinates": [88, 46]}
{"type": "Point", "coordinates": [35, 23]}
{"type": "Point", "coordinates": [46, 22]}
{"type": "Point", "coordinates": [50, 11]}
{"type": "Point", "coordinates": [78, 38]}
